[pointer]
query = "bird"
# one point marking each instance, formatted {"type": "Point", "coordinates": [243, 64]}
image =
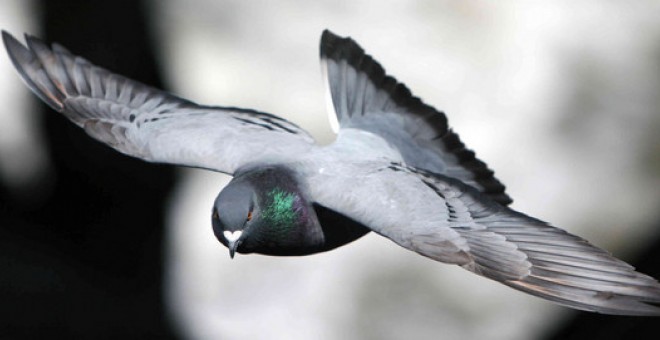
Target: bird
{"type": "Point", "coordinates": [396, 169]}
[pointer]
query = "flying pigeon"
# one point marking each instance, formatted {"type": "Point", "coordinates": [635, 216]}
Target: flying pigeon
{"type": "Point", "coordinates": [396, 168]}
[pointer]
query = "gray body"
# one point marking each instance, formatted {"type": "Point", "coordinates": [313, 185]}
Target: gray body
{"type": "Point", "coordinates": [396, 168]}
{"type": "Point", "coordinates": [312, 229]}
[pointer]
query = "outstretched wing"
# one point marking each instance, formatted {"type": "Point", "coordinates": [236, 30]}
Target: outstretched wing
{"type": "Point", "coordinates": [147, 123]}
{"type": "Point", "coordinates": [448, 221]}
{"type": "Point", "coordinates": [366, 98]}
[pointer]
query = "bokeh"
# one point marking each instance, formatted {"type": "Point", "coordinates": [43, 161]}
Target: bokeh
{"type": "Point", "coordinates": [559, 98]}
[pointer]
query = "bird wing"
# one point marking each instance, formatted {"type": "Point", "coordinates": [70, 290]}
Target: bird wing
{"type": "Point", "coordinates": [363, 96]}
{"type": "Point", "coordinates": [147, 123]}
{"type": "Point", "coordinates": [448, 221]}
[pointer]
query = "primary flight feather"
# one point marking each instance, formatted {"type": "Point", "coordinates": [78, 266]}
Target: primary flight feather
{"type": "Point", "coordinates": [396, 168]}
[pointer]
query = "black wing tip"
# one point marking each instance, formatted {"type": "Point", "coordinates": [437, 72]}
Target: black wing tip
{"type": "Point", "coordinates": [345, 48]}
{"type": "Point", "coordinates": [328, 41]}
{"type": "Point", "coordinates": [338, 48]}
{"type": "Point", "coordinates": [483, 175]}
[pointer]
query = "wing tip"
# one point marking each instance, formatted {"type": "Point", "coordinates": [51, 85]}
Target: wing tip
{"type": "Point", "coordinates": [29, 67]}
{"type": "Point", "coordinates": [587, 278]}
{"type": "Point", "coordinates": [34, 42]}
{"type": "Point", "coordinates": [6, 37]}
{"type": "Point", "coordinates": [14, 48]}
{"type": "Point", "coordinates": [601, 302]}
{"type": "Point", "coordinates": [328, 40]}
{"type": "Point", "coordinates": [346, 49]}
{"type": "Point", "coordinates": [337, 48]}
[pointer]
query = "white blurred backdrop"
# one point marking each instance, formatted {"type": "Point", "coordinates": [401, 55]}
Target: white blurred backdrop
{"type": "Point", "coordinates": [559, 98]}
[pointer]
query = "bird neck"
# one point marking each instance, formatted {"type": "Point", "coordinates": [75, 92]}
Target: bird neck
{"type": "Point", "coordinates": [282, 209]}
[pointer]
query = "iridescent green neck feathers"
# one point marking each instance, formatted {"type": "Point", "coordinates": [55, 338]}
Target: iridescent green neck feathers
{"type": "Point", "coordinates": [280, 210]}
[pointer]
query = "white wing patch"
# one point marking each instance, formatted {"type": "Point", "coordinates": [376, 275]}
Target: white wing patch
{"type": "Point", "coordinates": [332, 114]}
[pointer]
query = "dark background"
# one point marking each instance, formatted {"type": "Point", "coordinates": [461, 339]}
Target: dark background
{"type": "Point", "coordinates": [87, 262]}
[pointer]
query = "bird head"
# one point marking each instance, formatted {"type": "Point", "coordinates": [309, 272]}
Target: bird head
{"type": "Point", "coordinates": [264, 211]}
{"type": "Point", "coordinates": [234, 214]}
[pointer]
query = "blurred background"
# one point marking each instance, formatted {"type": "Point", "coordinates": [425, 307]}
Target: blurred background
{"type": "Point", "coordinates": [560, 98]}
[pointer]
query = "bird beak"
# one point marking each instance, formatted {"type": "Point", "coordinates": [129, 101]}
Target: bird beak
{"type": "Point", "coordinates": [232, 240]}
{"type": "Point", "coordinates": [232, 247]}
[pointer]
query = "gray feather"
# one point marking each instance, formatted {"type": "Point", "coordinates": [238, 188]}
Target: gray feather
{"type": "Point", "coordinates": [396, 168]}
{"type": "Point", "coordinates": [366, 98]}
{"type": "Point", "coordinates": [144, 122]}
{"type": "Point", "coordinates": [449, 221]}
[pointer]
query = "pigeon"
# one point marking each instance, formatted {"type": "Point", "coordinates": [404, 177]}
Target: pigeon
{"type": "Point", "coordinates": [396, 168]}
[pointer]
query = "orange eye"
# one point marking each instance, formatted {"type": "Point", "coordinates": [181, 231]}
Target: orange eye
{"type": "Point", "coordinates": [249, 218]}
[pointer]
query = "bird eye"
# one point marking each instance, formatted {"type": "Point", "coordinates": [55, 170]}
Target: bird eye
{"type": "Point", "coordinates": [215, 214]}
{"type": "Point", "coordinates": [249, 217]}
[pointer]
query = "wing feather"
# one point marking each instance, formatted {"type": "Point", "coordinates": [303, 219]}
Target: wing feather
{"type": "Point", "coordinates": [150, 124]}
{"type": "Point", "coordinates": [366, 98]}
{"type": "Point", "coordinates": [446, 220]}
